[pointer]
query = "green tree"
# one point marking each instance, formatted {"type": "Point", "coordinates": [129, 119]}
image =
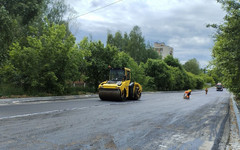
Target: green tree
{"type": "Point", "coordinates": [174, 62]}
{"type": "Point", "coordinates": [215, 74]}
{"type": "Point", "coordinates": [110, 39]}
{"type": "Point", "coordinates": [208, 79]}
{"type": "Point", "coordinates": [199, 82]}
{"type": "Point", "coordinates": [125, 42]}
{"type": "Point", "coordinates": [100, 59]}
{"type": "Point", "coordinates": [22, 10]}
{"type": "Point", "coordinates": [151, 53]}
{"type": "Point", "coordinates": [49, 62]}
{"type": "Point", "coordinates": [136, 47]}
{"type": "Point", "coordinates": [192, 66]}
{"type": "Point", "coordinates": [116, 40]}
{"type": "Point", "coordinates": [159, 71]}
{"type": "Point", "coordinates": [133, 44]}
{"type": "Point", "coordinates": [7, 28]}
{"type": "Point", "coordinates": [15, 16]}
{"type": "Point", "coordinates": [190, 81]}
{"type": "Point", "coordinates": [83, 48]}
{"type": "Point", "coordinates": [55, 11]}
{"type": "Point", "coordinates": [226, 47]}
{"type": "Point", "coordinates": [124, 60]}
{"type": "Point", "coordinates": [177, 78]}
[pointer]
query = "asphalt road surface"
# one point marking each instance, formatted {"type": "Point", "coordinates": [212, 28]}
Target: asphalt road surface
{"type": "Point", "coordinates": [159, 121]}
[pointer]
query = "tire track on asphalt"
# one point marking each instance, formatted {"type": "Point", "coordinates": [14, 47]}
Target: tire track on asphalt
{"type": "Point", "coordinates": [50, 112]}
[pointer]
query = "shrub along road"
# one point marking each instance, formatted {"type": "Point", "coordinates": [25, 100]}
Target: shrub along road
{"type": "Point", "coordinates": [160, 120]}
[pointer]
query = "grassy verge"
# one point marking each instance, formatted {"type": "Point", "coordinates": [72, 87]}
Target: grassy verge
{"type": "Point", "coordinates": [238, 102]}
{"type": "Point", "coordinates": [6, 90]}
{"type": "Point", "coordinates": [12, 91]}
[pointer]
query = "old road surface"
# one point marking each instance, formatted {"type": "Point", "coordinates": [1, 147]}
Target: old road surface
{"type": "Point", "coordinates": [159, 121]}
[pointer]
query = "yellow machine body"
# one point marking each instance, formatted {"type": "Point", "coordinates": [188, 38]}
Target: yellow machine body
{"type": "Point", "coordinates": [119, 86]}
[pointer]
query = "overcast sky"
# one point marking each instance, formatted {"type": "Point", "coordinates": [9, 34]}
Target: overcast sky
{"type": "Point", "coordinates": [180, 24]}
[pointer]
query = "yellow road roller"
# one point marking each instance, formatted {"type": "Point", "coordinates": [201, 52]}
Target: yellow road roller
{"type": "Point", "coordinates": [119, 86]}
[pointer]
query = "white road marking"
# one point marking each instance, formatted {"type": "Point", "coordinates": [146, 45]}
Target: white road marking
{"type": "Point", "coordinates": [163, 146]}
{"type": "Point", "coordinates": [49, 112]}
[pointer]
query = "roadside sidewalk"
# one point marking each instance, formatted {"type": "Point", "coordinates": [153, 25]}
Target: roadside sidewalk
{"type": "Point", "coordinates": [50, 98]}
{"type": "Point", "coordinates": [234, 135]}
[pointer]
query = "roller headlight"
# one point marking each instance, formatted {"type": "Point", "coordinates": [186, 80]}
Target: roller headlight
{"type": "Point", "coordinates": [119, 83]}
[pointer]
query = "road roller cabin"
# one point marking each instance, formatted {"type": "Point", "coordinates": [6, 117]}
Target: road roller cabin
{"type": "Point", "coordinates": [119, 86]}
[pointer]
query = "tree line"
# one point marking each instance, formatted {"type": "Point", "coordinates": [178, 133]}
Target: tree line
{"type": "Point", "coordinates": [226, 50]}
{"type": "Point", "coordinates": [43, 55]}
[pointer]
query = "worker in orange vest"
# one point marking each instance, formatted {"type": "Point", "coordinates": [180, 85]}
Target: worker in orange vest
{"type": "Point", "coordinates": [187, 94]}
{"type": "Point", "coordinates": [206, 90]}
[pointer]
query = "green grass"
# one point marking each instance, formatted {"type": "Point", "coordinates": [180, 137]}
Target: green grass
{"type": "Point", "coordinates": [79, 90]}
{"type": "Point", "coordinates": [6, 90]}
{"type": "Point", "coordinates": [12, 91]}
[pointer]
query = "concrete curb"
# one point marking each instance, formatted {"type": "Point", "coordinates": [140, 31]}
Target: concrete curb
{"type": "Point", "coordinates": [51, 98]}
{"type": "Point", "coordinates": [62, 98]}
{"type": "Point", "coordinates": [234, 135]}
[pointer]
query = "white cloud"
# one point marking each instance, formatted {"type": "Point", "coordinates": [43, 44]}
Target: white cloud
{"type": "Point", "coordinates": [195, 41]}
{"type": "Point", "coordinates": [179, 23]}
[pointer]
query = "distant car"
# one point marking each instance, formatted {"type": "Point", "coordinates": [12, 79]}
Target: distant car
{"type": "Point", "coordinates": [219, 87]}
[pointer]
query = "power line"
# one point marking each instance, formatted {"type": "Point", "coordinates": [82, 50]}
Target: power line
{"type": "Point", "coordinates": [97, 9]}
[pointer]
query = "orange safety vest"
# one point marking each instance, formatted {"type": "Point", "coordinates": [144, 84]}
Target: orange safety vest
{"type": "Point", "coordinates": [186, 93]}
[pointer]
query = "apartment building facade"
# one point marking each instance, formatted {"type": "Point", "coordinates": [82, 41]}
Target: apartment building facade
{"type": "Point", "coordinates": [163, 49]}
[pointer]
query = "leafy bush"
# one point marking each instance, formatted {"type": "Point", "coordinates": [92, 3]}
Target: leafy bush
{"type": "Point", "coordinates": [10, 89]}
{"type": "Point", "coordinates": [177, 78]}
{"type": "Point", "coordinates": [159, 70]}
{"type": "Point", "coordinates": [47, 62]}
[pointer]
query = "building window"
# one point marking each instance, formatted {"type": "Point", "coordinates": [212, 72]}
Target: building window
{"type": "Point", "coordinates": [161, 50]}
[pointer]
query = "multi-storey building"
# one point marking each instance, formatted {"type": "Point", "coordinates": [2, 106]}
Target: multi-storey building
{"type": "Point", "coordinates": [163, 49]}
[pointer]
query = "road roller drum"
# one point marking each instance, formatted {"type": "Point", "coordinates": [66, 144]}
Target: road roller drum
{"type": "Point", "coordinates": [119, 86]}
